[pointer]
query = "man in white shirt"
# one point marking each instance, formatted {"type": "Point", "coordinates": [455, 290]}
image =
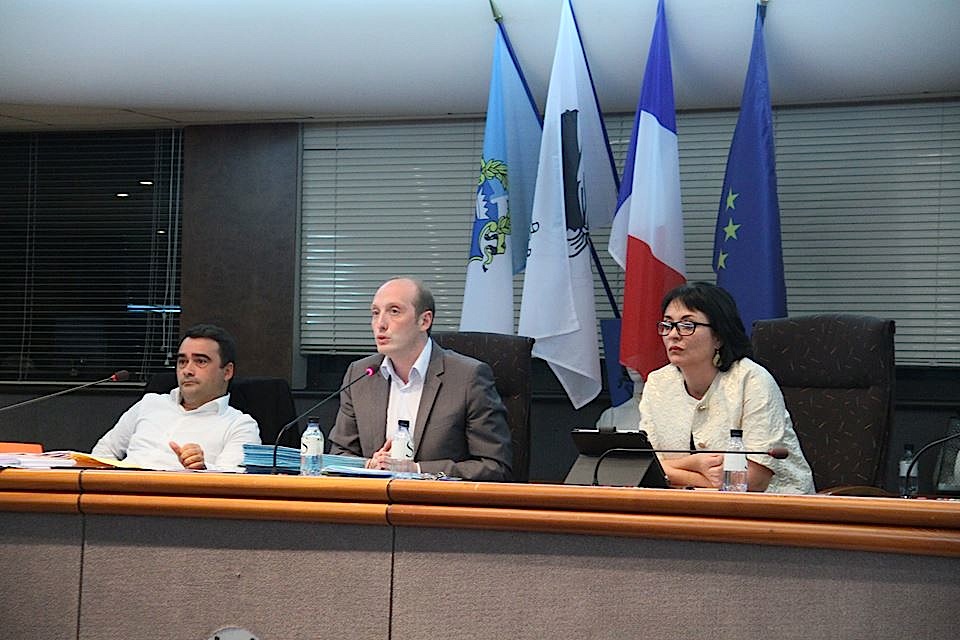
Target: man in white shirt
{"type": "Point", "coordinates": [457, 420]}
{"type": "Point", "coordinates": [193, 426]}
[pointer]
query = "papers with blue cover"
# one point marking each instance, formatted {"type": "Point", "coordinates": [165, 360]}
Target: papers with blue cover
{"type": "Point", "coordinates": [361, 472]}
{"type": "Point", "coordinates": [356, 472]}
{"type": "Point", "coordinates": [258, 458]}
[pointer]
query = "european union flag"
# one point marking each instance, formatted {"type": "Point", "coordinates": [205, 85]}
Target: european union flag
{"type": "Point", "coordinates": [747, 256]}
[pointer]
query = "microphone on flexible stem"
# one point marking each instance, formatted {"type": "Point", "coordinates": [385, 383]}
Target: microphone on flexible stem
{"type": "Point", "coordinates": [916, 457]}
{"type": "Point", "coordinates": [120, 376]}
{"type": "Point", "coordinates": [369, 371]}
{"type": "Point", "coordinates": [774, 452]}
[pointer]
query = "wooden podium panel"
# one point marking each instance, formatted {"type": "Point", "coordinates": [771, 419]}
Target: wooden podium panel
{"type": "Point", "coordinates": [166, 577]}
{"type": "Point", "coordinates": [527, 586]}
{"type": "Point", "coordinates": [102, 554]}
{"type": "Point", "coordinates": [40, 556]}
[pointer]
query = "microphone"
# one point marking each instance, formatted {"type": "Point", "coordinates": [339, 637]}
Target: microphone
{"type": "Point", "coordinates": [120, 376]}
{"type": "Point", "coordinates": [774, 452]}
{"type": "Point", "coordinates": [369, 371]}
{"type": "Point", "coordinates": [926, 447]}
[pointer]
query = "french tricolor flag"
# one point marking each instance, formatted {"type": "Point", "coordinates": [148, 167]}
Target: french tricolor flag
{"type": "Point", "coordinates": [647, 234]}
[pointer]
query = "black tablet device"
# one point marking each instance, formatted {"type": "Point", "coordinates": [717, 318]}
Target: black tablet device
{"type": "Point", "coordinates": [601, 462]}
{"type": "Point", "coordinates": [594, 443]}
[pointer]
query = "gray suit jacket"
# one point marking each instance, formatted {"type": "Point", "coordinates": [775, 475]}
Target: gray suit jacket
{"type": "Point", "coordinates": [461, 425]}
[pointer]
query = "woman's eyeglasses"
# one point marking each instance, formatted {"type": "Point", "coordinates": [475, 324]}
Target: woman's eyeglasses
{"type": "Point", "coordinates": [684, 327]}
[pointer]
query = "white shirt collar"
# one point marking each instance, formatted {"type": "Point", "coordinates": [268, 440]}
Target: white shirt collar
{"type": "Point", "coordinates": [419, 369]}
{"type": "Point", "coordinates": [217, 405]}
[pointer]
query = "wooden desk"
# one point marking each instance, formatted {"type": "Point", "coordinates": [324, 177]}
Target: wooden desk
{"type": "Point", "coordinates": [158, 554]}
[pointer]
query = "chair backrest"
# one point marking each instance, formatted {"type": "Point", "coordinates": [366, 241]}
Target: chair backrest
{"type": "Point", "coordinates": [836, 372]}
{"type": "Point", "coordinates": [268, 400]}
{"type": "Point", "coordinates": [509, 358]}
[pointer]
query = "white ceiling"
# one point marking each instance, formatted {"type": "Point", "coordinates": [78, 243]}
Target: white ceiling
{"type": "Point", "coordinates": [120, 63]}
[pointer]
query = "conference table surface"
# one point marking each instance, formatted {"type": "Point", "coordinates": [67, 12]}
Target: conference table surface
{"type": "Point", "coordinates": [887, 525]}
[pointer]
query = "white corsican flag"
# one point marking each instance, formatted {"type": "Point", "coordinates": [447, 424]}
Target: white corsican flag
{"type": "Point", "coordinates": [576, 189]}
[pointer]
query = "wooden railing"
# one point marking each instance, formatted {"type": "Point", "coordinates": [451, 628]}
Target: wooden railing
{"type": "Point", "coordinates": [894, 525]}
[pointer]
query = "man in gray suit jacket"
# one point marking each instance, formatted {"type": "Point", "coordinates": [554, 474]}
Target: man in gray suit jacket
{"type": "Point", "coordinates": [459, 424]}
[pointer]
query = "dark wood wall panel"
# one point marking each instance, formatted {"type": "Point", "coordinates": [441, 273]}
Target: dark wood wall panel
{"type": "Point", "coordinates": [239, 238]}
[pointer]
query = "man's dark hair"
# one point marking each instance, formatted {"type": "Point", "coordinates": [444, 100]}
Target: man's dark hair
{"type": "Point", "coordinates": [424, 300]}
{"type": "Point", "coordinates": [721, 311]}
{"type": "Point", "coordinates": [227, 343]}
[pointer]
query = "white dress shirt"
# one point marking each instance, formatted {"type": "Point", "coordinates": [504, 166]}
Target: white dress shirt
{"type": "Point", "coordinates": [143, 434]}
{"type": "Point", "coordinates": [404, 402]}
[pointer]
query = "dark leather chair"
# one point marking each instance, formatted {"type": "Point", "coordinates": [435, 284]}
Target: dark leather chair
{"type": "Point", "coordinates": [268, 400]}
{"type": "Point", "coordinates": [510, 359]}
{"type": "Point", "coordinates": [836, 372]}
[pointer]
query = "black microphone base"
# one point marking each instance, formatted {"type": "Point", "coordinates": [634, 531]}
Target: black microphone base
{"type": "Point", "coordinates": [619, 470]}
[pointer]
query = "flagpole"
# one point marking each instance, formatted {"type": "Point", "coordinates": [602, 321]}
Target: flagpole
{"type": "Point", "coordinates": [498, 18]}
{"type": "Point", "coordinates": [496, 12]}
{"type": "Point", "coordinates": [603, 278]}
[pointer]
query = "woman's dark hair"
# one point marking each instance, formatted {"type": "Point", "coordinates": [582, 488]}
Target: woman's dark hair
{"type": "Point", "coordinates": [227, 343]}
{"type": "Point", "coordinates": [721, 311]}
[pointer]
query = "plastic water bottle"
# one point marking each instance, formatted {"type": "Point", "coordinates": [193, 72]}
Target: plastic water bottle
{"type": "Point", "coordinates": [735, 464]}
{"type": "Point", "coordinates": [402, 448]}
{"type": "Point", "coordinates": [908, 486]}
{"type": "Point", "coordinates": [311, 449]}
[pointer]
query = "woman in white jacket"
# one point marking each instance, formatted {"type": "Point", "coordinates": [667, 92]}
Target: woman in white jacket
{"type": "Point", "coordinates": [712, 386]}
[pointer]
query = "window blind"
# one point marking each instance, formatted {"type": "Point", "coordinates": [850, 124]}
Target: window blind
{"type": "Point", "coordinates": [89, 277]}
{"type": "Point", "coordinates": [869, 201]}
{"type": "Point", "coordinates": [382, 200]}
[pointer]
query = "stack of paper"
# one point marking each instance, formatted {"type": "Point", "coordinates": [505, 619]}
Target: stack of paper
{"type": "Point", "coordinates": [258, 458]}
{"type": "Point", "coordinates": [48, 460]}
{"type": "Point", "coordinates": [360, 472]}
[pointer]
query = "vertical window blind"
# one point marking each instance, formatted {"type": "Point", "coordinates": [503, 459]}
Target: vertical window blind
{"type": "Point", "coordinates": [90, 246]}
{"type": "Point", "coordinates": [869, 203]}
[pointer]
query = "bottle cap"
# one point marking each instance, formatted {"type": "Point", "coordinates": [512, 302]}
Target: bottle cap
{"type": "Point", "coordinates": [736, 433]}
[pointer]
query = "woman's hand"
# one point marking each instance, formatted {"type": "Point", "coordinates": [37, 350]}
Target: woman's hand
{"type": "Point", "coordinates": [710, 466]}
{"type": "Point", "coordinates": [696, 470]}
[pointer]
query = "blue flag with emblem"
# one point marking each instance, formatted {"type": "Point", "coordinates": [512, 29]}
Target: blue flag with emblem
{"type": "Point", "coordinates": [747, 255]}
{"type": "Point", "coordinates": [505, 187]}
